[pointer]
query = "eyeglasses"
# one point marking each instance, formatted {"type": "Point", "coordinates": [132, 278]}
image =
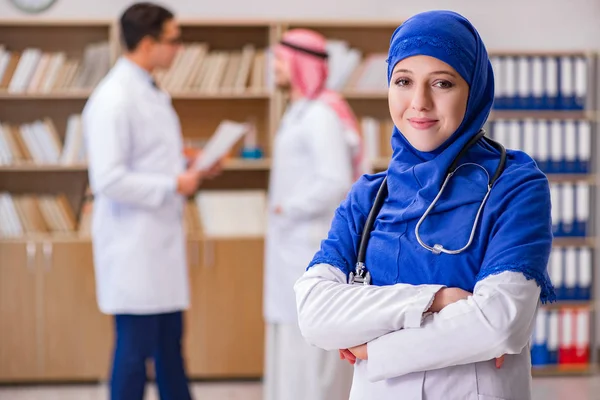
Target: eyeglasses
{"type": "Point", "coordinates": [171, 41]}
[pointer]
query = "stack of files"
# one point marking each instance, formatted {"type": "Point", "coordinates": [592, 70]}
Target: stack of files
{"type": "Point", "coordinates": [377, 135]}
{"type": "Point", "coordinates": [540, 82]}
{"type": "Point", "coordinates": [342, 62]}
{"type": "Point", "coordinates": [369, 76]}
{"type": "Point", "coordinates": [561, 338]}
{"type": "Point", "coordinates": [231, 213]}
{"type": "Point", "coordinates": [353, 71]}
{"type": "Point", "coordinates": [570, 209]}
{"type": "Point", "coordinates": [557, 146]}
{"type": "Point", "coordinates": [10, 223]}
{"type": "Point", "coordinates": [39, 143]}
{"type": "Point", "coordinates": [31, 214]}
{"type": "Point", "coordinates": [571, 273]}
{"type": "Point", "coordinates": [35, 71]}
{"type": "Point", "coordinates": [199, 69]}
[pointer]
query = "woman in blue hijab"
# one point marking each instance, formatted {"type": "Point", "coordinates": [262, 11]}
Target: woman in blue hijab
{"type": "Point", "coordinates": [436, 324]}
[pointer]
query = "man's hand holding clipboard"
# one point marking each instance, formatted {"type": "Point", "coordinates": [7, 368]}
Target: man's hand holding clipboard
{"type": "Point", "coordinates": [208, 162]}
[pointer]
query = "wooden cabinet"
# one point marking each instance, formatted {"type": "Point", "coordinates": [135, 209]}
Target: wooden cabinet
{"type": "Point", "coordinates": [224, 326]}
{"type": "Point", "coordinates": [77, 340]}
{"type": "Point", "coordinates": [20, 309]}
{"type": "Point", "coordinates": [51, 326]}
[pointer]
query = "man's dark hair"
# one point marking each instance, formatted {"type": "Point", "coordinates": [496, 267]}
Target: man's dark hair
{"type": "Point", "coordinates": [141, 20]}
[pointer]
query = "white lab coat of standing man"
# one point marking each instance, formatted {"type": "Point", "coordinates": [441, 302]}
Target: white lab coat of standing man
{"type": "Point", "coordinates": [139, 180]}
{"type": "Point", "coordinates": [314, 165]}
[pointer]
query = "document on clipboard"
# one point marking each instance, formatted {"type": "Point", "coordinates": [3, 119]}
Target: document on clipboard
{"type": "Point", "coordinates": [225, 137]}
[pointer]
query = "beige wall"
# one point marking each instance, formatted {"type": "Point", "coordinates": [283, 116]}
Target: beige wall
{"type": "Point", "coordinates": [506, 24]}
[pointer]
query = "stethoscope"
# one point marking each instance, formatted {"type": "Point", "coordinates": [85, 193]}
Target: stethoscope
{"type": "Point", "coordinates": [361, 275]}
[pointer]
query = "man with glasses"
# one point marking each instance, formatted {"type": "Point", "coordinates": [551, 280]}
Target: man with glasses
{"type": "Point", "coordinates": [140, 182]}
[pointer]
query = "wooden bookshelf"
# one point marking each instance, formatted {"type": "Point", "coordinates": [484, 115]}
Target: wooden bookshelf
{"type": "Point", "coordinates": [37, 262]}
{"type": "Point", "coordinates": [224, 301]}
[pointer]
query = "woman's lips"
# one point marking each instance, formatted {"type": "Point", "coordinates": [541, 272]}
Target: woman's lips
{"type": "Point", "coordinates": [422, 123]}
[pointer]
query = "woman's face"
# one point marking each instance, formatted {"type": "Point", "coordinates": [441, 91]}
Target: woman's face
{"type": "Point", "coordinates": [427, 100]}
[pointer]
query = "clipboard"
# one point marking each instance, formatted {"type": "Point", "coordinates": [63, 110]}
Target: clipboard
{"type": "Point", "coordinates": [228, 133]}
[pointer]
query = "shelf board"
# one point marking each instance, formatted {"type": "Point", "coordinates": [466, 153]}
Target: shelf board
{"type": "Point", "coordinates": [220, 96]}
{"type": "Point", "coordinates": [76, 237]}
{"type": "Point", "coordinates": [63, 95]}
{"type": "Point", "coordinates": [85, 94]}
{"type": "Point", "coordinates": [574, 242]}
{"type": "Point", "coordinates": [539, 53]}
{"type": "Point", "coordinates": [342, 23]}
{"type": "Point", "coordinates": [234, 164]}
{"type": "Point", "coordinates": [225, 22]}
{"type": "Point", "coordinates": [238, 164]}
{"type": "Point", "coordinates": [43, 168]}
{"type": "Point", "coordinates": [541, 114]}
{"type": "Point", "coordinates": [50, 23]}
{"type": "Point", "coordinates": [559, 304]}
{"type": "Point", "coordinates": [558, 178]}
{"type": "Point", "coordinates": [48, 237]}
{"type": "Point", "coordinates": [365, 95]}
{"type": "Point", "coordinates": [567, 370]}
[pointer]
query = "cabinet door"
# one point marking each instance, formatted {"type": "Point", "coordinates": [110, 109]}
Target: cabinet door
{"type": "Point", "coordinates": [77, 336]}
{"type": "Point", "coordinates": [20, 312]}
{"type": "Point", "coordinates": [193, 320]}
{"type": "Point", "coordinates": [225, 329]}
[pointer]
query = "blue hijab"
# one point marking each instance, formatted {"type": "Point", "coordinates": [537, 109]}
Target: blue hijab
{"type": "Point", "coordinates": [514, 232]}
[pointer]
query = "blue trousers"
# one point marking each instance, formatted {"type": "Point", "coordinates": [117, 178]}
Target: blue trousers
{"type": "Point", "coordinates": [139, 337]}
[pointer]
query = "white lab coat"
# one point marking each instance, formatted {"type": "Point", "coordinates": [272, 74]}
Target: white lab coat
{"type": "Point", "coordinates": [311, 174]}
{"type": "Point", "coordinates": [134, 147]}
{"type": "Point", "coordinates": [412, 356]}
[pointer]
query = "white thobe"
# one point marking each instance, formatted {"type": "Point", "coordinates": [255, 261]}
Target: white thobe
{"type": "Point", "coordinates": [310, 175]}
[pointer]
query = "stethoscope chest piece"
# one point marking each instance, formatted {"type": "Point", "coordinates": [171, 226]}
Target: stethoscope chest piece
{"type": "Point", "coordinates": [360, 276]}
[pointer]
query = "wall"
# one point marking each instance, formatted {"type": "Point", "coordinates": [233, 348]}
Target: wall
{"type": "Point", "coordinates": [507, 24]}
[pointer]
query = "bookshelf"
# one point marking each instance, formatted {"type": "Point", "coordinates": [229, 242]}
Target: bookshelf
{"type": "Point", "coordinates": [53, 268]}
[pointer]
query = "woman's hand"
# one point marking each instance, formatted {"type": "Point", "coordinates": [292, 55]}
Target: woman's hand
{"type": "Point", "coordinates": [346, 354]}
{"type": "Point", "coordinates": [354, 353]}
{"type": "Point", "coordinates": [447, 296]}
{"type": "Point", "coordinates": [360, 352]}
{"type": "Point", "coordinates": [499, 362]}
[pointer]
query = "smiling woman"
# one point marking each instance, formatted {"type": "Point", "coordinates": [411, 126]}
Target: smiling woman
{"type": "Point", "coordinates": [428, 322]}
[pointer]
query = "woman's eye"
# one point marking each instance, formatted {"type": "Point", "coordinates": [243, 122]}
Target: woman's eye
{"type": "Point", "coordinates": [402, 82]}
{"type": "Point", "coordinates": [443, 84]}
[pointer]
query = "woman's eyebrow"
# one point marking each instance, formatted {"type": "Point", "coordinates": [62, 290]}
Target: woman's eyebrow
{"type": "Point", "coordinates": [443, 72]}
{"type": "Point", "coordinates": [440, 72]}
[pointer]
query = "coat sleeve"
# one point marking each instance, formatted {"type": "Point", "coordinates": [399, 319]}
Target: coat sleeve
{"type": "Point", "coordinates": [335, 315]}
{"type": "Point", "coordinates": [331, 159]}
{"type": "Point", "coordinates": [497, 320]}
{"type": "Point", "coordinates": [109, 143]}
